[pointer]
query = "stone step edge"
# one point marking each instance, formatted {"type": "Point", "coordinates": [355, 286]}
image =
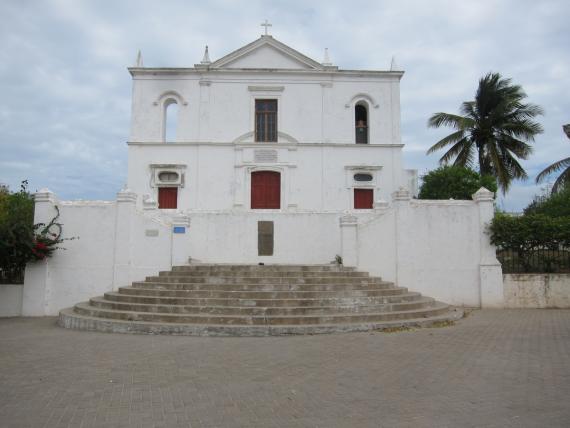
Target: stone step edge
{"type": "Point", "coordinates": [262, 291]}
{"type": "Point", "coordinates": [436, 306]}
{"type": "Point", "coordinates": [102, 299]}
{"type": "Point", "coordinates": [69, 319]}
{"type": "Point", "coordinates": [409, 294]}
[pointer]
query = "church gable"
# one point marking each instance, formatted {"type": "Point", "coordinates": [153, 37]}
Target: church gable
{"type": "Point", "coordinates": [266, 52]}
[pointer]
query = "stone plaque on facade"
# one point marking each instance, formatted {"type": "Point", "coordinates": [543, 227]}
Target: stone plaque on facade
{"type": "Point", "coordinates": [151, 232]}
{"type": "Point", "coordinates": [265, 156]}
{"type": "Point", "coordinates": [265, 238]}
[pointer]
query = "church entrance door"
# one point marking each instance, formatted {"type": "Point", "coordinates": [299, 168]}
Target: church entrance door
{"type": "Point", "coordinates": [265, 190]}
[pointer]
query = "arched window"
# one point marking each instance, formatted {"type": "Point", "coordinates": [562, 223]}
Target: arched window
{"type": "Point", "coordinates": [170, 120]}
{"type": "Point", "coordinates": [265, 190]}
{"type": "Point", "coordinates": [361, 122]}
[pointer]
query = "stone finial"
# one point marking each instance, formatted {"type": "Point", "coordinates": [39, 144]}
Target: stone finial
{"type": "Point", "coordinates": [483, 195]}
{"type": "Point", "coordinates": [394, 65]}
{"type": "Point", "coordinates": [326, 59]}
{"type": "Point", "coordinates": [206, 59]}
{"type": "Point", "coordinates": [139, 61]}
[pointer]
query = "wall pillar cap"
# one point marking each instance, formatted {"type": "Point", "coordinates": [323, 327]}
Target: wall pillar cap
{"type": "Point", "coordinates": [181, 220]}
{"type": "Point", "coordinates": [149, 203]}
{"type": "Point", "coordinates": [126, 195]}
{"type": "Point", "coordinates": [483, 195]}
{"type": "Point", "coordinates": [45, 195]}
{"type": "Point", "coordinates": [402, 194]}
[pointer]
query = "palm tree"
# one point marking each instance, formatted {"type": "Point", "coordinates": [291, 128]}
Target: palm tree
{"type": "Point", "coordinates": [563, 179]}
{"type": "Point", "coordinates": [492, 131]}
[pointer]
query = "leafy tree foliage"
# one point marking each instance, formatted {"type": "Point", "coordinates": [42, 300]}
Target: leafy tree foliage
{"type": "Point", "coordinates": [556, 205]}
{"type": "Point", "coordinates": [454, 182]}
{"type": "Point", "coordinates": [492, 132]}
{"type": "Point", "coordinates": [563, 180]}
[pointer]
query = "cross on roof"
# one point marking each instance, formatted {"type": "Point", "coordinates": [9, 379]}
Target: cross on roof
{"type": "Point", "coordinates": [266, 24]}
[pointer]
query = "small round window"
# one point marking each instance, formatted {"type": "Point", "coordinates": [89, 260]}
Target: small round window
{"type": "Point", "coordinates": [168, 176]}
{"type": "Point", "coordinates": [362, 177]}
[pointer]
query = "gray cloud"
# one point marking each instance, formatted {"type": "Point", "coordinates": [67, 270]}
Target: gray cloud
{"type": "Point", "coordinates": [65, 105]}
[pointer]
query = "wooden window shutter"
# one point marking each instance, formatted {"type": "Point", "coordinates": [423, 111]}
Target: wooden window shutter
{"type": "Point", "coordinates": [363, 199]}
{"type": "Point", "coordinates": [167, 197]}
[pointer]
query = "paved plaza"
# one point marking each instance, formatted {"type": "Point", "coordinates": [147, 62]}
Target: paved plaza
{"type": "Point", "coordinates": [492, 369]}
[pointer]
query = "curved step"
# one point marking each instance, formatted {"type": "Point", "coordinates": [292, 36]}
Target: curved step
{"type": "Point", "coordinates": [260, 273]}
{"type": "Point", "coordinates": [69, 319]}
{"type": "Point", "coordinates": [376, 316]}
{"type": "Point", "coordinates": [237, 280]}
{"type": "Point", "coordinates": [215, 268]}
{"type": "Point", "coordinates": [159, 285]}
{"type": "Point", "coordinates": [260, 294]}
{"type": "Point", "coordinates": [230, 301]}
{"type": "Point", "coordinates": [101, 302]}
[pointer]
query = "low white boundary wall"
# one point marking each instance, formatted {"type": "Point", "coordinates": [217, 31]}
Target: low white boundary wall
{"type": "Point", "coordinates": [438, 248]}
{"type": "Point", "coordinates": [11, 300]}
{"type": "Point", "coordinates": [537, 290]}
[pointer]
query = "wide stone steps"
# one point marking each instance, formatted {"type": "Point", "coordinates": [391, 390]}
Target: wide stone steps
{"type": "Point", "coordinates": [261, 294]}
{"type": "Point", "coordinates": [376, 316]}
{"type": "Point", "coordinates": [101, 302]}
{"type": "Point", "coordinates": [258, 286]}
{"type": "Point", "coordinates": [200, 301]}
{"type": "Point", "coordinates": [254, 300]}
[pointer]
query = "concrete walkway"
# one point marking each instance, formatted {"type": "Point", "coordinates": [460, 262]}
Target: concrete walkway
{"type": "Point", "coordinates": [493, 369]}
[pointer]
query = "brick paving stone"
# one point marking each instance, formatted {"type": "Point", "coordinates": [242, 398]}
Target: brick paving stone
{"type": "Point", "coordinates": [504, 368]}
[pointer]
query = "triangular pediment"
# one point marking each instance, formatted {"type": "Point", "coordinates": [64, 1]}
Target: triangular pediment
{"type": "Point", "coordinates": [267, 52]}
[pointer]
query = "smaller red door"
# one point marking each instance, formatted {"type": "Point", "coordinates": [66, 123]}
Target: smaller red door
{"type": "Point", "coordinates": [167, 197]}
{"type": "Point", "coordinates": [363, 199]}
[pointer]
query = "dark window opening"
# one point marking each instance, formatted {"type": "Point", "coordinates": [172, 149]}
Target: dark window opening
{"type": "Point", "coordinates": [362, 177]}
{"type": "Point", "coordinates": [361, 123]}
{"type": "Point", "coordinates": [167, 198]}
{"type": "Point", "coordinates": [266, 120]}
{"type": "Point", "coordinates": [363, 199]}
{"type": "Point", "coordinates": [265, 190]}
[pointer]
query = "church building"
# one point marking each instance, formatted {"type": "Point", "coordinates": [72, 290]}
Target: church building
{"type": "Point", "coordinates": [266, 156]}
{"type": "Point", "coordinates": [265, 128]}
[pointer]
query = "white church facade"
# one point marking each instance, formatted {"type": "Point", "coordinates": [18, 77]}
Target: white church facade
{"type": "Point", "coordinates": [276, 159]}
{"type": "Point", "coordinates": [266, 127]}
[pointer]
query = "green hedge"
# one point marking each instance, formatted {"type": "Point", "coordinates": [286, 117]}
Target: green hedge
{"type": "Point", "coordinates": [538, 242]}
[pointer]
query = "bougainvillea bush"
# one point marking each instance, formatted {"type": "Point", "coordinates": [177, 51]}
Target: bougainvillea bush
{"type": "Point", "coordinates": [22, 241]}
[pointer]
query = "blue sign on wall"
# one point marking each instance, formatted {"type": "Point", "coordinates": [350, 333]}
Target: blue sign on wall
{"type": "Point", "coordinates": [179, 229]}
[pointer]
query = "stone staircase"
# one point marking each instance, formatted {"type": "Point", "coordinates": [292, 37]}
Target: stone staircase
{"type": "Point", "coordinates": [256, 300]}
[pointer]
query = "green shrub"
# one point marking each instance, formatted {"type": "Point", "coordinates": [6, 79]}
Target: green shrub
{"type": "Point", "coordinates": [556, 205]}
{"type": "Point", "coordinates": [532, 238]}
{"type": "Point", "coordinates": [454, 182]}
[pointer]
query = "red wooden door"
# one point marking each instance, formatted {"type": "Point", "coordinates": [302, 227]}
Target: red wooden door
{"type": "Point", "coordinates": [167, 197]}
{"type": "Point", "coordinates": [265, 190]}
{"type": "Point", "coordinates": [363, 198]}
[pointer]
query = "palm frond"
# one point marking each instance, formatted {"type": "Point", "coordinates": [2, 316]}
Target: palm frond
{"type": "Point", "coordinates": [551, 169]}
{"type": "Point", "coordinates": [447, 119]}
{"type": "Point", "coordinates": [562, 181]}
{"type": "Point", "coordinates": [455, 151]}
{"type": "Point", "coordinates": [450, 139]}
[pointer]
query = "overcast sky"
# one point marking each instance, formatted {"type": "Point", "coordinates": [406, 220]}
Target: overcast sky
{"type": "Point", "coordinates": [65, 91]}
